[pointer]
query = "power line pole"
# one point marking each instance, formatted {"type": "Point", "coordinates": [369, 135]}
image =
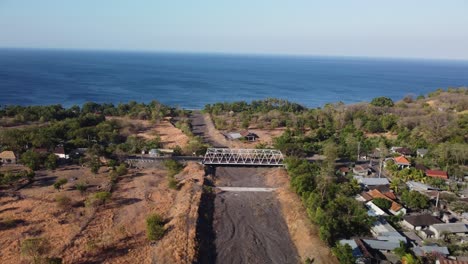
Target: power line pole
{"type": "Point", "coordinates": [358, 149]}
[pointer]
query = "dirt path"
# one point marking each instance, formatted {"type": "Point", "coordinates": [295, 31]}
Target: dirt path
{"type": "Point", "coordinates": [203, 126]}
{"type": "Point", "coordinates": [249, 226]}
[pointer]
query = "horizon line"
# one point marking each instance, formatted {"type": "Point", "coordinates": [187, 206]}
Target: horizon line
{"type": "Point", "coordinates": [231, 53]}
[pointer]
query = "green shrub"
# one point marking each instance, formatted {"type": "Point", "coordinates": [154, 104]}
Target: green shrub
{"type": "Point", "coordinates": [154, 227]}
{"type": "Point", "coordinates": [63, 201]}
{"type": "Point", "coordinates": [382, 203]}
{"type": "Point", "coordinates": [35, 248]}
{"type": "Point", "coordinates": [59, 183]}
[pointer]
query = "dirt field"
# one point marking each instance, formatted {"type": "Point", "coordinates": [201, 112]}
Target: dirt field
{"type": "Point", "coordinates": [111, 233]}
{"type": "Point", "coordinates": [170, 135]}
{"type": "Point", "coordinates": [249, 226]}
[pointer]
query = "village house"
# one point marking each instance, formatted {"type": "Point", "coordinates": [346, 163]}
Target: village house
{"type": "Point", "coordinates": [421, 152]}
{"type": "Point", "coordinates": [386, 237]}
{"type": "Point", "coordinates": [420, 187]}
{"type": "Point", "coordinates": [440, 230]}
{"type": "Point", "coordinates": [395, 208]}
{"type": "Point", "coordinates": [425, 250]}
{"type": "Point", "coordinates": [60, 152]}
{"type": "Point", "coordinates": [419, 222]}
{"type": "Point", "coordinates": [370, 182]}
{"type": "Point", "coordinates": [362, 170]}
{"type": "Point", "coordinates": [402, 162]}
{"type": "Point", "coordinates": [437, 174]}
{"type": "Point", "coordinates": [402, 151]}
{"type": "Point", "coordinates": [7, 157]}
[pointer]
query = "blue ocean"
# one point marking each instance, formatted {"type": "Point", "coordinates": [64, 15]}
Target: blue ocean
{"type": "Point", "coordinates": [40, 77]}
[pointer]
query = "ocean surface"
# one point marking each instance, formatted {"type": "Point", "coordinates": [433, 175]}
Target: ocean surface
{"type": "Point", "coordinates": [39, 77]}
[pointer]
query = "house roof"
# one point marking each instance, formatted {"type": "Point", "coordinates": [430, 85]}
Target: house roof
{"type": "Point", "coordinates": [401, 160]}
{"type": "Point", "coordinates": [344, 169]}
{"type": "Point", "coordinates": [59, 150]}
{"type": "Point", "coordinates": [421, 251]}
{"type": "Point", "coordinates": [234, 135]}
{"type": "Point", "coordinates": [403, 150]}
{"type": "Point", "coordinates": [354, 246]}
{"type": "Point", "coordinates": [421, 220]}
{"type": "Point", "coordinates": [7, 154]}
{"type": "Point", "coordinates": [450, 261]}
{"type": "Point", "coordinates": [381, 245]}
{"type": "Point", "coordinates": [372, 181]}
{"type": "Point", "coordinates": [420, 167]}
{"type": "Point", "coordinates": [437, 174]}
{"type": "Point", "coordinates": [422, 151]}
{"type": "Point", "coordinates": [451, 228]}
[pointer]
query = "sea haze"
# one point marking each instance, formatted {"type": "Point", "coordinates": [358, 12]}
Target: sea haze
{"type": "Point", "coordinates": [42, 77]}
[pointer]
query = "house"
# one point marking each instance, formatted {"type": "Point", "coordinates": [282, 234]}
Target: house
{"type": "Point", "coordinates": [60, 152]}
{"type": "Point", "coordinates": [421, 152]}
{"type": "Point", "coordinates": [374, 210]}
{"type": "Point", "coordinates": [362, 170]}
{"type": "Point", "coordinates": [386, 237]}
{"type": "Point", "coordinates": [343, 170]}
{"type": "Point", "coordinates": [354, 247]}
{"type": "Point", "coordinates": [420, 167]}
{"type": "Point", "coordinates": [419, 222]}
{"type": "Point", "coordinates": [160, 152]}
{"type": "Point", "coordinates": [450, 261]}
{"type": "Point", "coordinates": [395, 208]}
{"type": "Point", "coordinates": [437, 174]}
{"type": "Point", "coordinates": [420, 187]}
{"type": "Point", "coordinates": [440, 230]}
{"type": "Point", "coordinates": [249, 136]}
{"type": "Point", "coordinates": [424, 250]}
{"type": "Point", "coordinates": [402, 162]}
{"type": "Point", "coordinates": [371, 181]}
{"type": "Point", "coordinates": [7, 157]}
{"type": "Point", "coordinates": [402, 151]}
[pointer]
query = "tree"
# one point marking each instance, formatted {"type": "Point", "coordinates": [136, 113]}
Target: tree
{"type": "Point", "coordinates": [59, 183]}
{"type": "Point", "coordinates": [382, 101]}
{"type": "Point", "coordinates": [154, 227]}
{"type": "Point", "coordinates": [121, 170]}
{"type": "Point", "coordinates": [415, 200]}
{"type": "Point", "coordinates": [31, 159]}
{"type": "Point", "coordinates": [344, 253]}
{"type": "Point", "coordinates": [382, 203]}
{"type": "Point", "coordinates": [51, 162]}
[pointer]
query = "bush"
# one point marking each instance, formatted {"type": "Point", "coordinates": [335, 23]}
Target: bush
{"type": "Point", "coordinates": [382, 101]}
{"type": "Point", "coordinates": [97, 199]}
{"type": "Point", "coordinates": [154, 227]}
{"type": "Point", "coordinates": [81, 187]}
{"type": "Point", "coordinates": [59, 183]}
{"type": "Point", "coordinates": [121, 170]}
{"type": "Point", "coordinates": [173, 183]}
{"type": "Point", "coordinates": [344, 253]}
{"type": "Point", "coordinates": [63, 201]}
{"type": "Point", "coordinates": [35, 248]}
{"type": "Point", "coordinates": [173, 167]}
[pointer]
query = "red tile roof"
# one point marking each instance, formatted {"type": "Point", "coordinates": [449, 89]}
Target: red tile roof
{"type": "Point", "coordinates": [437, 174]}
{"type": "Point", "coordinates": [401, 160]}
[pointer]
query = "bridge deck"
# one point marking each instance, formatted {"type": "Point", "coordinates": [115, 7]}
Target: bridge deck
{"type": "Point", "coordinates": [254, 157]}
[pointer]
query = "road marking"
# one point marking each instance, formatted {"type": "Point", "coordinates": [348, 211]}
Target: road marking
{"type": "Point", "coordinates": [246, 189]}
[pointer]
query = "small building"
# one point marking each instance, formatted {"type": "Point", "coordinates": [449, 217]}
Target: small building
{"type": "Point", "coordinates": [249, 136]}
{"type": "Point", "coordinates": [371, 181]}
{"type": "Point", "coordinates": [60, 152]}
{"type": "Point", "coordinates": [402, 162]}
{"type": "Point", "coordinates": [421, 152]}
{"type": "Point", "coordinates": [424, 250]}
{"type": "Point", "coordinates": [354, 247]}
{"type": "Point", "coordinates": [386, 237]}
{"type": "Point", "coordinates": [395, 208]}
{"type": "Point", "coordinates": [402, 151]}
{"type": "Point", "coordinates": [160, 152]}
{"type": "Point", "coordinates": [419, 222]}
{"type": "Point", "coordinates": [362, 170]}
{"type": "Point", "coordinates": [420, 187]}
{"type": "Point", "coordinates": [437, 174]}
{"type": "Point", "coordinates": [450, 261]}
{"type": "Point", "coordinates": [440, 230]}
{"type": "Point", "coordinates": [343, 170]}
{"type": "Point", "coordinates": [7, 157]}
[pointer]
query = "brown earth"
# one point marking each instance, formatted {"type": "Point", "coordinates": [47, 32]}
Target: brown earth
{"type": "Point", "coordinates": [170, 135]}
{"type": "Point", "coordinates": [111, 233]}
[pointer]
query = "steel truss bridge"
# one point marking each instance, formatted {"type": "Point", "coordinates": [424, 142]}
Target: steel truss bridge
{"type": "Point", "coordinates": [253, 157]}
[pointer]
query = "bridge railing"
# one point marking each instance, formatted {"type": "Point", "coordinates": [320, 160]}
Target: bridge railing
{"type": "Point", "coordinates": [256, 157]}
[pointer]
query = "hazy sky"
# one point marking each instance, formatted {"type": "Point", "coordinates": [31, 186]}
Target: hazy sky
{"type": "Point", "coordinates": [397, 28]}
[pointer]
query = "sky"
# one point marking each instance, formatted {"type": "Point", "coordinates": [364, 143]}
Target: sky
{"type": "Point", "coordinates": [369, 28]}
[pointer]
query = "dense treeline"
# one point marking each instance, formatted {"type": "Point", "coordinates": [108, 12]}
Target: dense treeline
{"type": "Point", "coordinates": [22, 114]}
{"type": "Point", "coordinates": [329, 200]}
